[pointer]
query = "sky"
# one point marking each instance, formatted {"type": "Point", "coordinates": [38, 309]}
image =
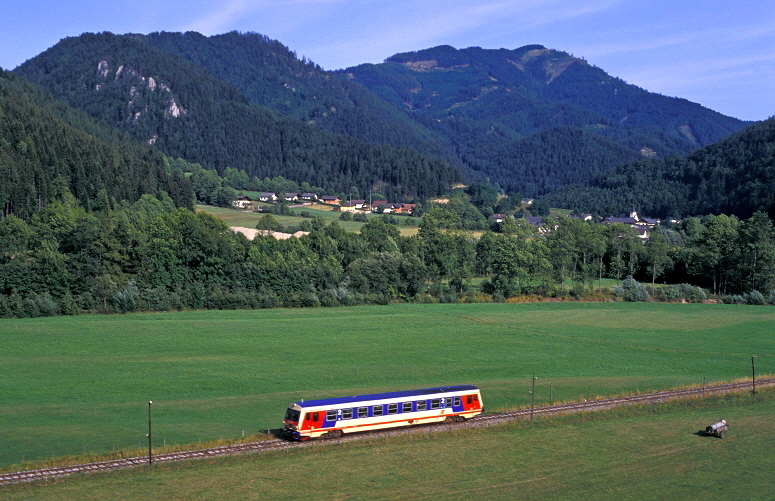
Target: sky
{"type": "Point", "coordinates": [719, 53]}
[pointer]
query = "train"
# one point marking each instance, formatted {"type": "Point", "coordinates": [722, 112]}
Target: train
{"type": "Point", "coordinates": [333, 417]}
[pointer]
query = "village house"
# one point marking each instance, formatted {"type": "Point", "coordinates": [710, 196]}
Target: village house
{"type": "Point", "coordinates": [309, 197]}
{"type": "Point", "coordinates": [377, 203]}
{"type": "Point", "coordinates": [267, 197]}
{"type": "Point", "coordinates": [330, 199]}
{"type": "Point", "coordinates": [291, 197]}
{"type": "Point", "coordinates": [347, 207]}
{"type": "Point", "coordinates": [242, 202]}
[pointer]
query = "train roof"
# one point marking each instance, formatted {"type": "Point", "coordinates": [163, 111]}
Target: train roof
{"type": "Point", "coordinates": [385, 396]}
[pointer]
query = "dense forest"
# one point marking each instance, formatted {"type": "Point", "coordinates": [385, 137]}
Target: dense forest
{"type": "Point", "coordinates": [98, 188]}
{"type": "Point", "coordinates": [47, 149]}
{"type": "Point", "coordinates": [734, 176]}
{"type": "Point", "coordinates": [269, 74]}
{"type": "Point", "coordinates": [530, 120]}
{"type": "Point", "coordinates": [162, 99]}
{"type": "Point", "coordinates": [494, 105]}
{"type": "Point", "coordinates": [148, 255]}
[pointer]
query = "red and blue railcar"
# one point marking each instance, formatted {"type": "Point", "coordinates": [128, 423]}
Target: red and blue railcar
{"type": "Point", "coordinates": [332, 417]}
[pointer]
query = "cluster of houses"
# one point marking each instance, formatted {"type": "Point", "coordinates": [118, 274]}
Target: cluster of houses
{"type": "Point", "coordinates": [244, 202]}
{"type": "Point", "coordinates": [641, 225]}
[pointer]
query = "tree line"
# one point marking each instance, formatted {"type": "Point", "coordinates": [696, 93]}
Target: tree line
{"type": "Point", "coordinates": [151, 256]}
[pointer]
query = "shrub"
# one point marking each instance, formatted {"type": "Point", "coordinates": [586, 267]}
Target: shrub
{"type": "Point", "coordinates": [754, 298]}
{"type": "Point", "coordinates": [733, 299]}
{"type": "Point", "coordinates": [631, 291]}
{"type": "Point", "coordinates": [681, 291]}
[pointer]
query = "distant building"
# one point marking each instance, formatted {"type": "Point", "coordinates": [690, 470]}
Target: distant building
{"type": "Point", "coordinates": [242, 202]}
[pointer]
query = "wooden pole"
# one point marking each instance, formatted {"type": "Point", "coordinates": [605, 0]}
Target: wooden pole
{"type": "Point", "coordinates": [150, 456]}
{"type": "Point", "coordinates": [533, 397]}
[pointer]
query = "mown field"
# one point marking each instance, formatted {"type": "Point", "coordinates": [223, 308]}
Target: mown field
{"type": "Point", "coordinates": [70, 385]}
{"type": "Point", "coordinates": [652, 452]}
{"type": "Point", "coordinates": [234, 217]}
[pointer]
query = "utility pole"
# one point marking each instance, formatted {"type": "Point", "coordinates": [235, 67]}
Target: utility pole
{"type": "Point", "coordinates": [753, 374]}
{"type": "Point", "coordinates": [150, 456]}
{"type": "Point", "coordinates": [533, 397]}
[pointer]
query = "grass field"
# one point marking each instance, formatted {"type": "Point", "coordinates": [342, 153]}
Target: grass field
{"type": "Point", "coordinates": [81, 384]}
{"type": "Point", "coordinates": [234, 217]}
{"type": "Point", "coordinates": [652, 452]}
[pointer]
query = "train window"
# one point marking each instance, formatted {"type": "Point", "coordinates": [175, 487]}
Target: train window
{"type": "Point", "coordinates": [363, 412]}
{"type": "Point", "coordinates": [406, 407]}
{"type": "Point", "coordinates": [476, 398]}
{"type": "Point", "coordinates": [457, 401]}
{"type": "Point", "coordinates": [330, 415]}
{"type": "Point", "coordinates": [420, 405]}
{"type": "Point", "coordinates": [292, 415]}
{"type": "Point", "coordinates": [315, 416]}
{"type": "Point", "coordinates": [392, 408]}
{"type": "Point", "coordinates": [449, 401]}
{"type": "Point", "coordinates": [468, 399]}
{"type": "Point", "coordinates": [377, 410]}
{"type": "Point", "coordinates": [435, 403]}
{"type": "Point", "coordinates": [347, 413]}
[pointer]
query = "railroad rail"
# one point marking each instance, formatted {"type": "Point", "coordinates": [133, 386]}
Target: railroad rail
{"type": "Point", "coordinates": [479, 421]}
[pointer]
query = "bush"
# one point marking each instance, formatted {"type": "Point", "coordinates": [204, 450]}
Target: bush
{"type": "Point", "coordinates": [127, 299]}
{"type": "Point", "coordinates": [681, 291]}
{"type": "Point", "coordinates": [733, 299]}
{"type": "Point", "coordinates": [631, 291]}
{"type": "Point", "coordinates": [345, 216]}
{"type": "Point", "coordinates": [754, 298]}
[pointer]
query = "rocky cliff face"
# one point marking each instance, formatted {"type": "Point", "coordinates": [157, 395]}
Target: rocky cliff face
{"type": "Point", "coordinates": [143, 92]}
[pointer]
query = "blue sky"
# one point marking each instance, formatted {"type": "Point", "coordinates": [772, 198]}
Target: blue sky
{"type": "Point", "coordinates": [719, 53]}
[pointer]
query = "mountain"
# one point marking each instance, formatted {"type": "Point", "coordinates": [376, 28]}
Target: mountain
{"type": "Point", "coordinates": [532, 120]}
{"type": "Point", "coordinates": [48, 148]}
{"type": "Point", "coordinates": [270, 74]}
{"type": "Point", "coordinates": [734, 176]}
{"type": "Point", "coordinates": [487, 102]}
{"type": "Point", "coordinates": [165, 100]}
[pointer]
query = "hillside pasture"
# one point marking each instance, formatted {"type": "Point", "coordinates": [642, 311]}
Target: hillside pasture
{"type": "Point", "coordinates": [81, 384]}
{"type": "Point", "coordinates": [235, 217]}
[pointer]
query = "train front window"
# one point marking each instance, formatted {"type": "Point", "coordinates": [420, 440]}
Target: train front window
{"type": "Point", "coordinates": [292, 415]}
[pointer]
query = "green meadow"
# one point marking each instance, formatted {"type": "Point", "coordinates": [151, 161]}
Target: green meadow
{"type": "Point", "coordinates": [649, 452]}
{"type": "Point", "coordinates": [234, 217]}
{"type": "Point", "coordinates": [74, 385]}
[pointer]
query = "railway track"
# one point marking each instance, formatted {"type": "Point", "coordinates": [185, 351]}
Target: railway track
{"type": "Point", "coordinates": [479, 421]}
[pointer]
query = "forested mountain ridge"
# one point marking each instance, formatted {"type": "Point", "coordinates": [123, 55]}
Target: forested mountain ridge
{"type": "Point", "coordinates": [735, 175]}
{"type": "Point", "coordinates": [486, 101]}
{"type": "Point", "coordinates": [48, 149]}
{"type": "Point", "coordinates": [531, 120]}
{"type": "Point", "coordinates": [270, 74]}
{"type": "Point", "coordinates": [183, 110]}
